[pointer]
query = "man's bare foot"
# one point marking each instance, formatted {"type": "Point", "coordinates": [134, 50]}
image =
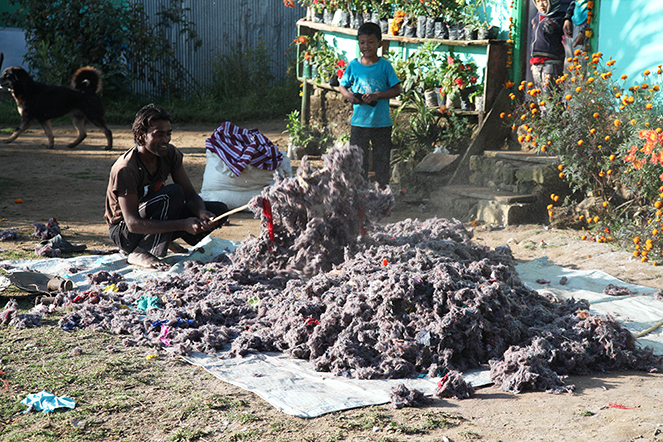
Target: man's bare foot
{"type": "Point", "coordinates": [142, 258]}
{"type": "Point", "coordinates": [176, 248]}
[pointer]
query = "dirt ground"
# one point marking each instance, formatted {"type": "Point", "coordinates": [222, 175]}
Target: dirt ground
{"type": "Point", "coordinates": [69, 185]}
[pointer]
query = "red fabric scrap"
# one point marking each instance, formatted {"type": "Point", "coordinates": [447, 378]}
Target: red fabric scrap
{"type": "Point", "coordinates": [267, 211]}
{"type": "Point", "coordinates": [620, 406]}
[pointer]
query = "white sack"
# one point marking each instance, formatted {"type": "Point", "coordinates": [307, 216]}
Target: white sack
{"type": "Point", "coordinates": [221, 184]}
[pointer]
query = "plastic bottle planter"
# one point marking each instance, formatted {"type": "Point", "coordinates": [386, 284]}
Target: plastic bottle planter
{"type": "Point", "coordinates": [457, 31]}
{"type": "Point", "coordinates": [328, 17]}
{"type": "Point", "coordinates": [306, 69]}
{"type": "Point", "coordinates": [426, 27]}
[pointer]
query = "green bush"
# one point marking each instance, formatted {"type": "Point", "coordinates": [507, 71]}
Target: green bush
{"type": "Point", "coordinates": [63, 35]}
{"type": "Point", "coordinates": [609, 140]}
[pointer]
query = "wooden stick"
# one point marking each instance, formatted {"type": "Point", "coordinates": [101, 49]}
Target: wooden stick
{"type": "Point", "coordinates": [649, 330]}
{"type": "Point", "coordinates": [230, 212]}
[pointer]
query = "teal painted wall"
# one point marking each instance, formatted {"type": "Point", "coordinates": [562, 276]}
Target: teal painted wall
{"type": "Point", "coordinates": [631, 32]}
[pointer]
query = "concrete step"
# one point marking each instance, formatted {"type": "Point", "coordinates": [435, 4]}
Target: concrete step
{"type": "Point", "coordinates": [468, 203]}
{"type": "Point", "coordinates": [514, 171]}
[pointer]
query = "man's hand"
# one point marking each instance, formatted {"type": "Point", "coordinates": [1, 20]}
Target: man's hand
{"type": "Point", "coordinates": [568, 28]}
{"type": "Point", "coordinates": [580, 39]}
{"type": "Point", "coordinates": [206, 218]}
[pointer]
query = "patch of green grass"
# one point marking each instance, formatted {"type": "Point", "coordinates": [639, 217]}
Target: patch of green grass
{"type": "Point", "coordinates": [222, 402]}
{"type": "Point", "coordinates": [244, 435]}
{"type": "Point", "coordinates": [437, 420]}
{"type": "Point", "coordinates": [243, 418]}
{"type": "Point", "coordinates": [585, 413]}
{"type": "Point", "coordinates": [187, 435]}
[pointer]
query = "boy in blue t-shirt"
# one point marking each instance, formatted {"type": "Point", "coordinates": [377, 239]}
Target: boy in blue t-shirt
{"type": "Point", "coordinates": [373, 82]}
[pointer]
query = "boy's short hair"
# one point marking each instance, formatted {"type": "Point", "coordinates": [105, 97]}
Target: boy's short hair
{"type": "Point", "coordinates": [370, 28]}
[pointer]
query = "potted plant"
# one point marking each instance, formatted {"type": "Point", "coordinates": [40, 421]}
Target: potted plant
{"type": "Point", "coordinates": [459, 79]}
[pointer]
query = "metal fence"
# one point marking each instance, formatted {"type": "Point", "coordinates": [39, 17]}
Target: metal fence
{"type": "Point", "coordinates": [225, 26]}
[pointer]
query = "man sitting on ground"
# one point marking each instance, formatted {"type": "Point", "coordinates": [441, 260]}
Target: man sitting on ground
{"type": "Point", "coordinates": [144, 216]}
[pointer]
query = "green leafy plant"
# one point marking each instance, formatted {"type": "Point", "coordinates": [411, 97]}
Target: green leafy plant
{"type": "Point", "coordinates": [305, 138]}
{"type": "Point", "coordinates": [608, 139]}
{"type": "Point", "coordinates": [116, 37]}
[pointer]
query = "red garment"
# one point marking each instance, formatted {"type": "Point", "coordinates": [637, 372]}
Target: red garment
{"type": "Point", "coordinates": [539, 60]}
{"type": "Point", "coordinates": [239, 147]}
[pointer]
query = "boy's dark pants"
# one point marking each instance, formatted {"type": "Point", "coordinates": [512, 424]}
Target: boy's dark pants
{"type": "Point", "coordinates": [167, 203]}
{"type": "Point", "coordinates": [379, 138]}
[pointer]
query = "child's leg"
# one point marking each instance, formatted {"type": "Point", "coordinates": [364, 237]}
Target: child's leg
{"type": "Point", "coordinates": [360, 137]}
{"type": "Point", "coordinates": [381, 142]}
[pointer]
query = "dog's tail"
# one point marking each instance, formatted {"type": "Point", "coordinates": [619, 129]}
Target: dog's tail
{"type": "Point", "coordinates": [87, 79]}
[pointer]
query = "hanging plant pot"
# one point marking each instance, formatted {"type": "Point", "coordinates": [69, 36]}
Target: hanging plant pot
{"type": "Point", "coordinates": [441, 29]}
{"type": "Point", "coordinates": [367, 17]}
{"type": "Point", "coordinates": [314, 71]}
{"type": "Point", "coordinates": [493, 32]}
{"type": "Point", "coordinates": [318, 16]}
{"type": "Point", "coordinates": [421, 26]}
{"type": "Point", "coordinates": [328, 17]}
{"type": "Point", "coordinates": [333, 80]}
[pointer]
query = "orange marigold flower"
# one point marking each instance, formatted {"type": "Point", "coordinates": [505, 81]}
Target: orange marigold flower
{"type": "Point", "coordinates": [607, 137]}
{"type": "Point", "coordinates": [610, 62]}
{"type": "Point", "coordinates": [647, 72]}
{"type": "Point", "coordinates": [618, 122]}
{"type": "Point", "coordinates": [601, 174]}
{"type": "Point", "coordinates": [595, 115]}
{"type": "Point", "coordinates": [592, 131]}
{"type": "Point", "coordinates": [649, 106]}
{"type": "Point", "coordinates": [624, 77]}
{"type": "Point", "coordinates": [568, 97]}
{"type": "Point", "coordinates": [611, 157]}
{"type": "Point", "coordinates": [580, 142]}
{"type": "Point", "coordinates": [605, 204]}
{"type": "Point", "coordinates": [658, 204]}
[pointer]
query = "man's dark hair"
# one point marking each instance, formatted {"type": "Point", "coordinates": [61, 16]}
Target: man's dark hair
{"type": "Point", "coordinates": [370, 28]}
{"type": "Point", "coordinates": [144, 118]}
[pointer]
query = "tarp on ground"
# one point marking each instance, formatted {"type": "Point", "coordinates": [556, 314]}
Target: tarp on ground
{"type": "Point", "coordinates": [294, 387]}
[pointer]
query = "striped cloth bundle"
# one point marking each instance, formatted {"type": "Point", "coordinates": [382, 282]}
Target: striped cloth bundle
{"type": "Point", "coordinates": [239, 147]}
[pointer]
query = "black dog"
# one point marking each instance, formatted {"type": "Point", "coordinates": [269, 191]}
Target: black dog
{"type": "Point", "coordinates": [42, 102]}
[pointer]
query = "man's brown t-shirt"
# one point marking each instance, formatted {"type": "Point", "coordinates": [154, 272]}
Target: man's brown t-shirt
{"type": "Point", "coordinates": [129, 175]}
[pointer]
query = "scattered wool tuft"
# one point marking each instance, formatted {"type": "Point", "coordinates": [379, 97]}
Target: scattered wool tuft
{"type": "Point", "coordinates": [48, 252]}
{"type": "Point", "coordinates": [401, 396]}
{"type": "Point", "coordinates": [362, 300]}
{"type": "Point", "coordinates": [613, 290]}
{"type": "Point", "coordinates": [452, 385]}
{"type": "Point", "coordinates": [46, 231]}
{"type": "Point", "coordinates": [8, 235]}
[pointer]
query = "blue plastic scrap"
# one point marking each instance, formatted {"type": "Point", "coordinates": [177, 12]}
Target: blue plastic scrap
{"type": "Point", "coordinates": [47, 402]}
